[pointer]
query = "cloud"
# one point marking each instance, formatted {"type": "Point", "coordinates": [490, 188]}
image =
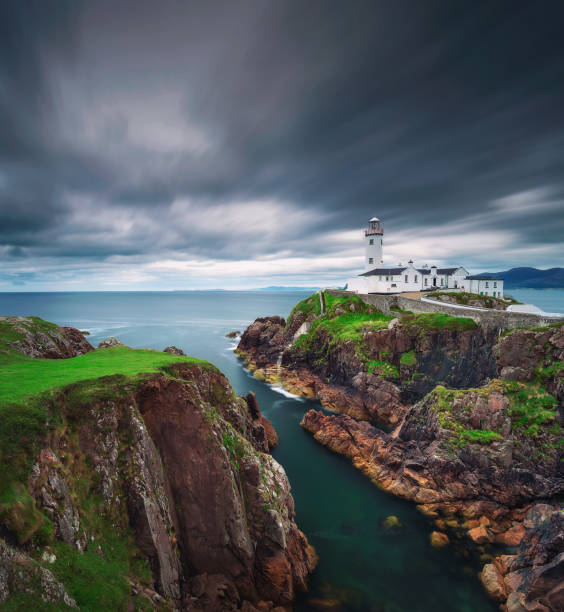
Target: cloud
{"type": "Point", "coordinates": [251, 140]}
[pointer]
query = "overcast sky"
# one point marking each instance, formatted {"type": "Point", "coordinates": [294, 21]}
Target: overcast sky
{"type": "Point", "coordinates": [177, 145]}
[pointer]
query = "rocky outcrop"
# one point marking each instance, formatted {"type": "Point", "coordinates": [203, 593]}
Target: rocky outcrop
{"type": "Point", "coordinates": [23, 577]}
{"type": "Point", "coordinates": [172, 471]}
{"type": "Point", "coordinates": [173, 350]}
{"type": "Point", "coordinates": [533, 578]}
{"type": "Point", "coordinates": [375, 377]}
{"type": "Point", "coordinates": [477, 460]}
{"type": "Point", "coordinates": [476, 454]}
{"type": "Point", "coordinates": [37, 338]}
{"type": "Point", "coordinates": [528, 355]}
{"type": "Point", "coordinates": [472, 299]}
{"type": "Point", "coordinates": [448, 449]}
{"type": "Point", "coordinates": [111, 341]}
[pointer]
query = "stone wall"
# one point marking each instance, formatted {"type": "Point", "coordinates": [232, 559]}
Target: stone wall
{"type": "Point", "coordinates": [491, 319]}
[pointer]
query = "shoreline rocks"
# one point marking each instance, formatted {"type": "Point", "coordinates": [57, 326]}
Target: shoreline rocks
{"type": "Point", "coordinates": [476, 455]}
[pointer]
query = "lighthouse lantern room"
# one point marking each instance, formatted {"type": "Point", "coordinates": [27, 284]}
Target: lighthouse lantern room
{"type": "Point", "coordinates": [374, 240]}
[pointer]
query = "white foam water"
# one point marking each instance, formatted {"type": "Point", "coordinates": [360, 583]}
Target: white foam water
{"type": "Point", "coordinates": [280, 389]}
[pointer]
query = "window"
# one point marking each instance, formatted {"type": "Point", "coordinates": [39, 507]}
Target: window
{"type": "Point", "coordinates": [379, 278]}
{"type": "Point", "coordinates": [394, 285]}
{"type": "Point", "coordinates": [425, 282]}
{"type": "Point", "coordinates": [495, 285]}
{"type": "Point", "coordinates": [406, 277]}
{"type": "Point", "coordinates": [487, 285]}
{"type": "Point", "coordinates": [381, 242]}
{"type": "Point", "coordinates": [387, 278]}
{"type": "Point", "coordinates": [371, 240]}
{"type": "Point", "coordinates": [494, 294]}
{"type": "Point", "coordinates": [442, 282]}
{"type": "Point", "coordinates": [370, 260]}
{"type": "Point", "coordinates": [415, 279]}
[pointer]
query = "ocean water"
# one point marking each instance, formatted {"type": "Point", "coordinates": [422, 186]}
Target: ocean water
{"type": "Point", "coordinates": [340, 510]}
{"type": "Point", "coordinates": [549, 300]}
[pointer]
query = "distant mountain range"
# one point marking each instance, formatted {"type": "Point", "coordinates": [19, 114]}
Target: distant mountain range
{"type": "Point", "coordinates": [532, 278]}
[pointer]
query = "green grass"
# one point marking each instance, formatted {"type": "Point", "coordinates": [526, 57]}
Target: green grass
{"type": "Point", "coordinates": [547, 327]}
{"type": "Point", "coordinates": [400, 310]}
{"type": "Point", "coordinates": [98, 581]}
{"type": "Point", "coordinates": [481, 436]}
{"type": "Point", "coordinates": [437, 321]}
{"type": "Point", "coordinates": [408, 359]}
{"type": "Point", "coordinates": [383, 368]}
{"type": "Point", "coordinates": [27, 388]}
{"type": "Point", "coordinates": [22, 376]}
{"type": "Point", "coordinates": [309, 306]}
{"type": "Point", "coordinates": [350, 326]}
{"type": "Point", "coordinates": [530, 406]}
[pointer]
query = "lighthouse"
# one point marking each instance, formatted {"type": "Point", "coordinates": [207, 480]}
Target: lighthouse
{"type": "Point", "coordinates": [374, 241]}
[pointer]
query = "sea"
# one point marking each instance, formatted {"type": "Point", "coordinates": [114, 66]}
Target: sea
{"type": "Point", "coordinates": [361, 564]}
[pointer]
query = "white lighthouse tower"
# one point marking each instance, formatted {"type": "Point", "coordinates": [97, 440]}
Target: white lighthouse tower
{"type": "Point", "coordinates": [374, 241]}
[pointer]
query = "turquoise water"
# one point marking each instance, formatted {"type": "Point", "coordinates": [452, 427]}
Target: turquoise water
{"type": "Point", "coordinates": [337, 507]}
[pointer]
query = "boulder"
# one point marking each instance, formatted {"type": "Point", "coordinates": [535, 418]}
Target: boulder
{"type": "Point", "coordinates": [493, 582]}
{"type": "Point", "coordinates": [391, 522]}
{"type": "Point", "coordinates": [173, 350]}
{"type": "Point", "coordinates": [111, 341]}
{"type": "Point", "coordinates": [439, 539]}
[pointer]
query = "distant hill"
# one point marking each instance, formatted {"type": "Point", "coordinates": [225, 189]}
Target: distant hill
{"type": "Point", "coordinates": [532, 278]}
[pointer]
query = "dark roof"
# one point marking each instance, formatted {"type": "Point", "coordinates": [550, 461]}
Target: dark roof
{"type": "Point", "coordinates": [424, 270]}
{"type": "Point", "coordinates": [483, 277]}
{"type": "Point", "coordinates": [385, 271]}
{"type": "Point", "coordinates": [447, 270]}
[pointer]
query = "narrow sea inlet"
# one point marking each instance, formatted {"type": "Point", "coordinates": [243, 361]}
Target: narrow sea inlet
{"type": "Point", "coordinates": [363, 565]}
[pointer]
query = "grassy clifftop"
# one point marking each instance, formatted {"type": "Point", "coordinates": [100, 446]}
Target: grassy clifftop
{"type": "Point", "coordinates": [28, 385]}
{"type": "Point", "coordinates": [22, 376]}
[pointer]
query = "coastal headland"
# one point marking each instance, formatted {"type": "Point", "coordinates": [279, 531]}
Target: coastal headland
{"type": "Point", "coordinates": [137, 479]}
{"type": "Point", "coordinates": [462, 417]}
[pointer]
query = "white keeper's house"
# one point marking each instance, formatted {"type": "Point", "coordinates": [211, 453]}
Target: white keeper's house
{"type": "Point", "coordinates": [380, 278]}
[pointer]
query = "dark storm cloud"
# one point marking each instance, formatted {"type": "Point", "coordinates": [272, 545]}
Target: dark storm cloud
{"type": "Point", "coordinates": [137, 129]}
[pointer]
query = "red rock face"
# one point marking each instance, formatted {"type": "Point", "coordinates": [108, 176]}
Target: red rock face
{"type": "Point", "coordinates": [182, 462]}
{"type": "Point", "coordinates": [258, 549]}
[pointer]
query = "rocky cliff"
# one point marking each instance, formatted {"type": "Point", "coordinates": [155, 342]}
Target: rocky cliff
{"type": "Point", "coordinates": [360, 362]}
{"type": "Point", "coordinates": [478, 441]}
{"type": "Point", "coordinates": [478, 461]}
{"type": "Point", "coordinates": [153, 491]}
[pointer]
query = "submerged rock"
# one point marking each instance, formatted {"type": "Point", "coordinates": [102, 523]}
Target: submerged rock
{"type": "Point", "coordinates": [391, 522]}
{"type": "Point", "coordinates": [439, 539]}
